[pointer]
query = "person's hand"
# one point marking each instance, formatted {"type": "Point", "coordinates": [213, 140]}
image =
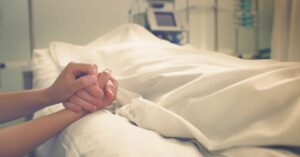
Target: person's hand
{"type": "Point", "coordinates": [84, 99]}
{"type": "Point", "coordinates": [110, 87]}
{"type": "Point", "coordinates": [74, 77]}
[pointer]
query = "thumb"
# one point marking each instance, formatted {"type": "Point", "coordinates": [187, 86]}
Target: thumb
{"type": "Point", "coordinates": [82, 82]}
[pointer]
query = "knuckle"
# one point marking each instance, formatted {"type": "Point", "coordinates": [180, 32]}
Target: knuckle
{"type": "Point", "coordinates": [84, 81]}
{"type": "Point", "coordinates": [80, 93]}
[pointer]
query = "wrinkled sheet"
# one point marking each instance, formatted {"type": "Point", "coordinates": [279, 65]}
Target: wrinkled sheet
{"type": "Point", "coordinates": [225, 104]}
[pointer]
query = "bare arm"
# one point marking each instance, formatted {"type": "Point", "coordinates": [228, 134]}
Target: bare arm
{"type": "Point", "coordinates": [23, 138]}
{"type": "Point", "coordinates": [18, 104]}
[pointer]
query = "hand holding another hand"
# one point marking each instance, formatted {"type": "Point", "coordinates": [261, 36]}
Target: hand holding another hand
{"type": "Point", "coordinates": [81, 87]}
{"type": "Point", "coordinates": [73, 78]}
{"type": "Point", "coordinates": [96, 96]}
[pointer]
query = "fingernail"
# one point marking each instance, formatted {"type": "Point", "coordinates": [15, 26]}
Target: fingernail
{"type": "Point", "coordinates": [112, 93]}
{"type": "Point", "coordinates": [109, 83]}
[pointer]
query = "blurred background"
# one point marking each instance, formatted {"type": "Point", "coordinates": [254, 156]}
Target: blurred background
{"type": "Point", "coordinates": [242, 28]}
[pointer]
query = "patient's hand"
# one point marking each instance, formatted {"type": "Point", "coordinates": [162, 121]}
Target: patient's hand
{"type": "Point", "coordinates": [90, 99]}
{"type": "Point", "coordinates": [110, 87]}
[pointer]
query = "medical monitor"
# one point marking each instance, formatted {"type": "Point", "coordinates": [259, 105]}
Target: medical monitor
{"type": "Point", "coordinates": [161, 20]}
{"type": "Point", "coordinates": [165, 19]}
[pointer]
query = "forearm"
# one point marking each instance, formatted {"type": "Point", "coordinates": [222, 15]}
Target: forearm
{"type": "Point", "coordinates": [18, 104]}
{"type": "Point", "coordinates": [21, 139]}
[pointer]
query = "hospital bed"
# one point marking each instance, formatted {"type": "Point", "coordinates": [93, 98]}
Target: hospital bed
{"type": "Point", "coordinates": [176, 101]}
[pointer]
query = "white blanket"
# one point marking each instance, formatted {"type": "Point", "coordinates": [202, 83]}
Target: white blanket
{"type": "Point", "coordinates": [221, 101]}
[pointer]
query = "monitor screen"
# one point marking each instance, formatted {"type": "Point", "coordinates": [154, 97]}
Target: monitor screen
{"type": "Point", "coordinates": [165, 19]}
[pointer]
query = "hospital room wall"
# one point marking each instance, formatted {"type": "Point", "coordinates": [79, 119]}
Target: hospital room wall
{"type": "Point", "coordinates": [14, 43]}
{"type": "Point", "coordinates": [76, 21]}
{"type": "Point", "coordinates": [80, 22]}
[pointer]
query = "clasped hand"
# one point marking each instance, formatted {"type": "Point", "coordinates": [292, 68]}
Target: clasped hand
{"type": "Point", "coordinates": [98, 95]}
{"type": "Point", "coordinates": [81, 87]}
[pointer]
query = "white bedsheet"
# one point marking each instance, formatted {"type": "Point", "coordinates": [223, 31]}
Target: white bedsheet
{"type": "Point", "coordinates": [221, 101]}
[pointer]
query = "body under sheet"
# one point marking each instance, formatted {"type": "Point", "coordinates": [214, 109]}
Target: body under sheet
{"type": "Point", "coordinates": [224, 103]}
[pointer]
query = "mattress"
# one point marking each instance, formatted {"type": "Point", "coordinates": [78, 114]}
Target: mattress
{"type": "Point", "coordinates": [175, 100]}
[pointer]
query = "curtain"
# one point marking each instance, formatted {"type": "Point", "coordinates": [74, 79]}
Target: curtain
{"type": "Point", "coordinates": [286, 30]}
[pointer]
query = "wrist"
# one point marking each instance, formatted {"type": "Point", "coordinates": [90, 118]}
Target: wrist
{"type": "Point", "coordinates": [75, 115]}
{"type": "Point", "coordinates": [49, 96]}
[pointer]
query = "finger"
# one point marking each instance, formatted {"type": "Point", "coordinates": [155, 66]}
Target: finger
{"type": "Point", "coordinates": [103, 78]}
{"type": "Point", "coordinates": [96, 72]}
{"type": "Point", "coordinates": [110, 91]}
{"type": "Point", "coordinates": [82, 82]}
{"type": "Point", "coordinates": [80, 69]}
{"type": "Point", "coordinates": [115, 85]}
{"type": "Point", "coordinates": [83, 94]}
{"type": "Point", "coordinates": [112, 87]}
{"type": "Point", "coordinates": [72, 107]}
{"type": "Point", "coordinates": [94, 91]}
{"type": "Point", "coordinates": [82, 103]}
